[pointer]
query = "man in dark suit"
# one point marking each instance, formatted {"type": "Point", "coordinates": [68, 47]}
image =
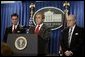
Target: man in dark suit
{"type": "Point", "coordinates": [42, 32]}
{"type": "Point", "coordinates": [72, 38]}
{"type": "Point", "coordinates": [15, 28]}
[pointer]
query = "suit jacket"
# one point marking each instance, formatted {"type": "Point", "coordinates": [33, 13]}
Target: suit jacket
{"type": "Point", "coordinates": [43, 39]}
{"type": "Point", "coordinates": [8, 30]}
{"type": "Point", "coordinates": [76, 44]}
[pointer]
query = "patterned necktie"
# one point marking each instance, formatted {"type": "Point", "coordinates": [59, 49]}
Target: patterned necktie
{"type": "Point", "coordinates": [37, 29]}
{"type": "Point", "coordinates": [69, 36]}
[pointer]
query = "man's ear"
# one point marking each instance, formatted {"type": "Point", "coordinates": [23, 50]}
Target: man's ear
{"type": "Point", "coordinates": [43, 16]}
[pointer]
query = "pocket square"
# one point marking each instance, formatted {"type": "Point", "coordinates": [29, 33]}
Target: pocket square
{"type": "Point", "coordinates": [18, 31]}
{"type": "Point", "coordinates": [76, 33]}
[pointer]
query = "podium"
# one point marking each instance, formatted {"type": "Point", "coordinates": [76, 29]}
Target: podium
{"type": "Point", "coordinates": [23, 44]}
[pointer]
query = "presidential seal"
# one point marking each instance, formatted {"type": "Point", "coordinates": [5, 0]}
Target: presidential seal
{"type": "Point", "coordinates": [20, 43]}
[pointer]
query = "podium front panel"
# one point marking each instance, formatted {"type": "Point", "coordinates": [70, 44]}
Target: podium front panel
{"type": "Point", "coordinates": [31, 47]}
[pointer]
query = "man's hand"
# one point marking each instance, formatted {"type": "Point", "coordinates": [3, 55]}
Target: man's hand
{"type": "Point", "coordinates": [68, 53]}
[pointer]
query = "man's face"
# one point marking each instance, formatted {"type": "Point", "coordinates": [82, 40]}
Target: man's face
{"type": "Point", "coordinates": [14, 20]}
{"type": "Point", "coordinates": [38, 19]}
{"type": "Point", "coordinates": [70, 21]}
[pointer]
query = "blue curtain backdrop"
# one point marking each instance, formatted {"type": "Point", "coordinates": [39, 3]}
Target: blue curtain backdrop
{"type": "Point", "coordinates": [23, 10]}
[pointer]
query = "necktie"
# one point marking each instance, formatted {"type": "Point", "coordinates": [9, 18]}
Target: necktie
{"type": "Point", "coordinates": [69, 36]}
{"type": "Point", "coordinates": [37, 29]}
{"type": "Point", "coordinates": [14, 30]}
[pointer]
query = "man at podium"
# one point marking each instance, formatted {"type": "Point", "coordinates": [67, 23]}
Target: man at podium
{"type": "Point", "coordinates": [42, 32]}
{"type": "Point", "coordinates": [15, 28]}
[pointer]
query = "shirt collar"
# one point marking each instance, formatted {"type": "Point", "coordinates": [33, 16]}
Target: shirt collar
{"type": "Point", "coordinates": [72, 28]}
{"type": "Point", "coordinates": [15, 25]}
{"type": "Point", "coordinates": [40, 24]}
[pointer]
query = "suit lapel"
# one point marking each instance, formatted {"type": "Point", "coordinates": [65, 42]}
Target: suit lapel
{"type": "Point", "coordinates": [67, 37]}
{"type": "Point", "coordinates": [32, 29]}
{"type": "Point", "coordinates": [73, 36]}
{"type": "Point", "coordinates": [10, 29]}
{"type": "Point", "coordinates": [42, 29]}
{"type": "Point", "coordinates": [17, 29]}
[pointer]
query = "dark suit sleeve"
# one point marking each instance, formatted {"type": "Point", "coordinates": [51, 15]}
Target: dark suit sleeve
{"type": "Point", "coordinates": [82, 46]}
{"type": "Point", "coordinates": [31, 29]}
{"type": "Point", "coordinates": [43, 39]}
{"type": "Point", "coordinates": [62, 40]}
{"type": "Point", "coordinates": [46, 39]}
{"type": "Point", "coordinates": [46, 34]}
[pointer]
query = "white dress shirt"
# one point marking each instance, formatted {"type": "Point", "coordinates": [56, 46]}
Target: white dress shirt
{"type": "Point", "coordinates": [40, 26]}
{"type": "Point", "coordinates": [14, 26]}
